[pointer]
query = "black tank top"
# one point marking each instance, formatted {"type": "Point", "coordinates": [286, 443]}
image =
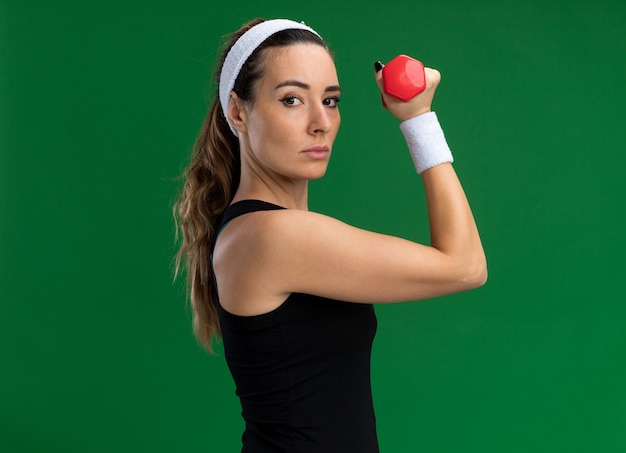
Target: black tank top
{"type": "Point", "coordinates": [302, 371]}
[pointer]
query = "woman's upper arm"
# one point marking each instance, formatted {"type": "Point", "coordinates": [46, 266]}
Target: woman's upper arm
{"type": "Point", "coordinates": [315, 254]}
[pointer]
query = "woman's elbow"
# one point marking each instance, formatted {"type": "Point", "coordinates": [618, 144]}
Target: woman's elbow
{"type": "Point", "coordinates": [476, 273]}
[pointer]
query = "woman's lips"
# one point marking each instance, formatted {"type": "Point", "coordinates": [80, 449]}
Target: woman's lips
{"type": "Point", "coordinates": [317, 152]}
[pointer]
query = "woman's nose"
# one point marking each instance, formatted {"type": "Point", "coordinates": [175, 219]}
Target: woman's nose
{"type": "Point", "coordinates": [320, 121]}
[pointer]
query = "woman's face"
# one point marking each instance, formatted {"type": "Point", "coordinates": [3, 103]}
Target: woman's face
{"type": "Point", "coordinates": [292, 124]}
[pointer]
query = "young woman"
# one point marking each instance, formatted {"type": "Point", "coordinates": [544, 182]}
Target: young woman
{"type": "Point", "coordinates": [291, 291]}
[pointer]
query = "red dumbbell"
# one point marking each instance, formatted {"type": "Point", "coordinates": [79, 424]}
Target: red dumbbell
{"type": "Point", "coordinates": [403, 78]}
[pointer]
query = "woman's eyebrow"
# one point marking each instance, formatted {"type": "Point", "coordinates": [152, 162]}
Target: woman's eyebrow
{"type": "Point", "coordinates": [305, 86]}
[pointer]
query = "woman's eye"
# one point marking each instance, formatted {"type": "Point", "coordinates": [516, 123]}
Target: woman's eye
{"type": "Point", "coordinates": [291, 101]}
{"type": "Point", "coordinates": [331, 102]}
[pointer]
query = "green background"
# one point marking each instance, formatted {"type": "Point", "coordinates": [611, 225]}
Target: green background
{"type": "Point", "coordinates": [100, 103]}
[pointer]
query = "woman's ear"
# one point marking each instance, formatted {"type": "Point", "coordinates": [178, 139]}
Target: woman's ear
{"type": "Point", "coordinates": [237, 115]}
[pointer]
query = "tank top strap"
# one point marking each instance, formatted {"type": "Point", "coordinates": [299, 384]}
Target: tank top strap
{"type": "Point", "coordinates": [244, 207]}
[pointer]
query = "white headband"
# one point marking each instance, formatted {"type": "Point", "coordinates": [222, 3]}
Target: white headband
{"type": "Point", "coordinates": [241, 51]}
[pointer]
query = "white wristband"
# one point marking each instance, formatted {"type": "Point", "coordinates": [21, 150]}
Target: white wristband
{"type": "Point", "coordinates": [426, 141]}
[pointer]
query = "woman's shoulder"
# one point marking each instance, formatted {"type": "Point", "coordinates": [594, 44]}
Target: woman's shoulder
{"type": "Point", "coordinates": [270, 238]}
{"type": "Point", "coordinates": [261, 219]}
{"type": "Point", "coordinates": [284, 226]}
{"type": "Point", "coordinates": [254, 256]}
{"type": "Point", "coordinates": [254, 226]}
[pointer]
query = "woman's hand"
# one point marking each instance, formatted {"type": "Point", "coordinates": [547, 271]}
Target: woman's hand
{"type": "Point", "coordinates": [416, 106]}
